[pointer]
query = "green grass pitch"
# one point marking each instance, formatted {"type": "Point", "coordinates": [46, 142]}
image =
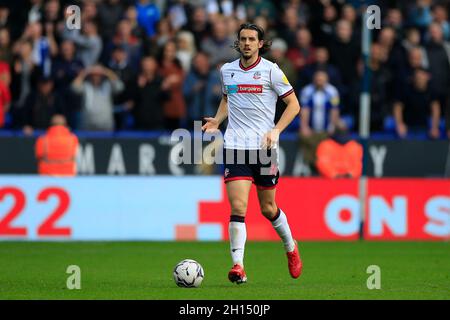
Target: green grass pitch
{"type": "Point", "coordinates": [143, 270]}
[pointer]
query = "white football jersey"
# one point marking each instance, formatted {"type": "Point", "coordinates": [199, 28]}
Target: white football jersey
{"type": "Point", "coordinates": [252, 94]}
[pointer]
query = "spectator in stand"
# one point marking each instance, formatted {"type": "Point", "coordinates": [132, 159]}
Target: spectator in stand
{"type": "Point", "coordinates": [5, 93]}
{"type": "Point", "coordinates": [303, 53]}
{"type": "Point", "coordinates": [41, 105]}
{"type": "Point", "coordinates": [128, 42]}
{"type": "Point", "coordinates": [345, 55]}
{"type": "Point", "coordinates": [44, 47]}
{"type": "Point", "coordinates": [270, 32]}
{"type": "Point", "coordinates": [339, 157]}
{"type": "Point", "coordinates": [5, 21]}
{"type": "Point", "coordinates": [52, 10]}
{"type": "Point", "coordinates": [277, 54]}
{"type": "Point", "coordinates": [5, 46]}
{"type": "Point", "coordinates": [438, 53]}
{"type": "Point", "coordinates": [148, 15]}
{"type": "Point", "coordinates": [164, 33]}
{"type": "Point", "coordinates": [321, 63]}
{"type": "Point", "coordinates": [379, 99]}
{"type": "Point", "coordinates": [198, 90]}
{"type": "Point", "coordinates": [97, 85]}
{"type": "Point", "coordinates": [389, 43]}
{"type": "Point", "coordinates": [177, 13]}
{"type": "Point", "coordinates": [199, 25]}
{"type": "Point", "coordinates": [417, 105]}
{"type": "Point", "coordinates": [420, 15]}
{"type": "Point", "coordinates": [219, 46]}
{"type": "Point", "coordinates": [301, 8]}
{"type": "Point", "coordinates": [136, 29]}
{"type": "Point", "coordinates": [410, 42]}
{"type": "Point", "coordinates": [5, 73]}
{"type": "Point", "coordinates": [123, 101]}
{"type": "Point", "coordinates": [320, 106]}
{"type": "Point", "coordinates": [66, 67]}
{"type": "Point", "coordinates": [394, 19]}
{"type": "Point", "coordinates": [148, 97]}
{"type": "Point", "coordinates": [23, 79]}
{"type": "Point", "coordinates": [289, 26]}
{"type": "Point", "coordinates": [232, 25]}
{"type": "Point", "coordinates": [90, 12]}
{"type": "Point", "coordinates": [109, 14]}
{"type": "Point", "coordinates": [35, 12]}
{"type": "Point", "coordinates": [56, 150]}
{"type": "Point", "coordinates": [64, 70]}
{"type": "Point", "coordinates": [319, 114]}
{"type": "Point", "coordinates": [88, 44]}
{"type": "Point", "coordinates": [173, 74]}
{"type": "Point", "coordinates": [348, 13]}
{"type": "Point", "coordinates": [185, 49]}
{"type": "Point", "coordinates": [323, 22]}
{"type": "Point", "coordinates": [414, 61]}
{"type": "Point", "coordinates": [215, 8]}
{"type": "Point", "coordinates": [440, 17]}
{"type": "Point", "coordinates": [265, 8]}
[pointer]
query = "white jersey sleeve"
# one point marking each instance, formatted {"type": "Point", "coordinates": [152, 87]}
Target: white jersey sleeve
{"type": "Point", "coordinates": [280, 83]}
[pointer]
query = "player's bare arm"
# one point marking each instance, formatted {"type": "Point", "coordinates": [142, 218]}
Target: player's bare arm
{"type": "Point", "coordinates": [212, 124]}
{"type": "Point", "coordinates": [289, 114]}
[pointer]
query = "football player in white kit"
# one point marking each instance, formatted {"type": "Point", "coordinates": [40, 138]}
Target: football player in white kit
{"type": "Point", "coordinates": [251, 86]}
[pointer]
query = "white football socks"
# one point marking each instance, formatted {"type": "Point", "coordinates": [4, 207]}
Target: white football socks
{"type": "Point", "coordinates": [238, 235]}
{"type": "Point", "coordinates": [281, 226]}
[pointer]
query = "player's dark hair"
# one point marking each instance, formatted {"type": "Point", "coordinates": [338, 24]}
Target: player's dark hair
{"type": "Point", "coordinates": [260, 31]}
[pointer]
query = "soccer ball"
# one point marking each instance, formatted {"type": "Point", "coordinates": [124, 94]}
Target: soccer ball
{"type": "Point", "coordinates": [188, 273]}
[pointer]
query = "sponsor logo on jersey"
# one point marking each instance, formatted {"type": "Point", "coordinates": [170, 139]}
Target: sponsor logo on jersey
{"type": "Point", "coordinates": [285, 79]}
{"type": "Point", "coordinates": [257, 75]}
{"type": "Point", "coordinates": [244, 88]}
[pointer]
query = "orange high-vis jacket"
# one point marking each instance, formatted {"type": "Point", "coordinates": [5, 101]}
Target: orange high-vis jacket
{"type": "Point", "coordinates": [334, 159]}
{"type": "Point", "coordinates": [56, 152]}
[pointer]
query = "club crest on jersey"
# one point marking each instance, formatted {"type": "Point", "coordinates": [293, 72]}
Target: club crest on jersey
{"type": "Point", "coordinates": [227, 172]}
{"type": "Point", "coordinates": [232, 74]}
{"type": "Point", "coordinates": [257, 75]}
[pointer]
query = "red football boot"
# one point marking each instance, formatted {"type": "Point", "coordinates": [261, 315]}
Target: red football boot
{"type": "Point", "coordinates": [237, 274]}
{"type": "Point", "coordinates": [294, 262]}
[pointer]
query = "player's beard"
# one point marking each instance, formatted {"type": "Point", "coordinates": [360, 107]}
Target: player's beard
{"type": "Point", "coordinates": [248, 56]}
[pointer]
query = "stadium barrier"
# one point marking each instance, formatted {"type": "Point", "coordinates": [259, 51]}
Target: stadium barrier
{"type": "Point", "coordinates": [141, 155]}
{"type": "Point", "coordinates": [171, 208]}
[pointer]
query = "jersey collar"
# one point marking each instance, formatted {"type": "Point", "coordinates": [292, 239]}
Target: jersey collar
{"type": "Point", "coordinates": [254, 64]}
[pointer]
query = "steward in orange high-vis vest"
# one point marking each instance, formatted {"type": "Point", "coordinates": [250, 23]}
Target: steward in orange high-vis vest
{"type": "Point", "coordinates": [56, 149]}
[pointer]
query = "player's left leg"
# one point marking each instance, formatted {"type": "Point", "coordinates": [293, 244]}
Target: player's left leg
{"type": "Point", "coordinates": [280, 223]}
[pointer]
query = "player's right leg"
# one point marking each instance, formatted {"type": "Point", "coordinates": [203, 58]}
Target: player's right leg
{"type": "Point", "coordinates": [238, 178]}
{"type": "Point", "coordinates": [238, 191]}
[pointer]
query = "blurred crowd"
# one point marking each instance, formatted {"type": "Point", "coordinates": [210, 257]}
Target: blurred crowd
{"type": "Point", "coordinates": [154, 65]}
